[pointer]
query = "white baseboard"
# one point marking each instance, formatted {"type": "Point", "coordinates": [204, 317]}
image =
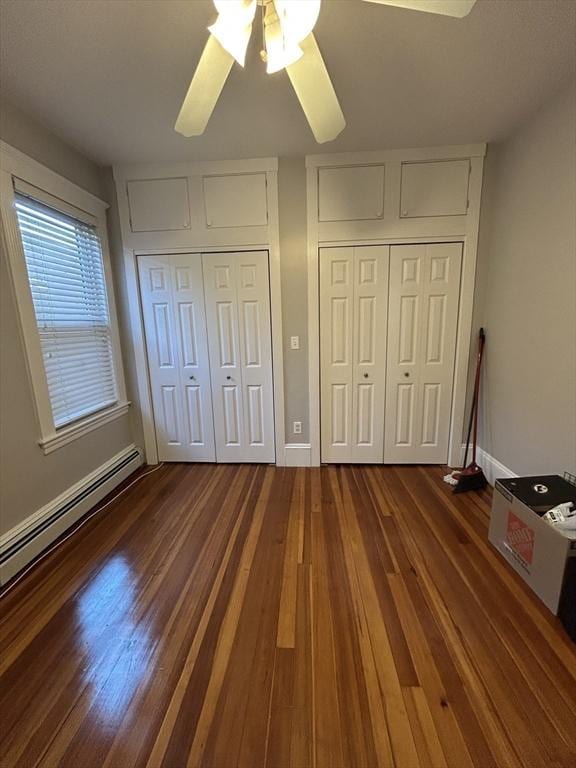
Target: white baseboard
{"type": "Point", "coordinates": [26, 540]}
{"type": "Point", "coordinates": [297, 454]}
{"type": "Point", "coordinates": [493, 469]}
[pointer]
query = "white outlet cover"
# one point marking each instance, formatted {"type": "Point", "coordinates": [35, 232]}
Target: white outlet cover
{"type": "Point", "coordinates": [297, 427]}
{"type": "Point", "coordinates": [294, 342]}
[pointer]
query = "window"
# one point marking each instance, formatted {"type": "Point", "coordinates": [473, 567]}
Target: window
{"type": "Point", "coordinates": [66, 274]}
{"type": "Point", "coordinates": [57, 252]}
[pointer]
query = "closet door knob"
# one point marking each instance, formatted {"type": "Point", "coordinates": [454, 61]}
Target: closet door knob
{"type": "Point", "coordinates": [229, 378]}
{"type": "Point", "coordinates": [365, 375]}
{"type": "Point", "coordinates": [192, 378]}
{"type": "Point", "coordinates": [406, 374]}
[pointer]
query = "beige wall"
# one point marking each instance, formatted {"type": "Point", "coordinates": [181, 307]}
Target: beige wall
{"type": "Point", "coordinates": [36, 141]}
{"type": "Point", "coordinates": [29, 479]}
{"type": "Point", "coordinates": [526, 293]}
{"type": "Point", "coordinates": [292, 214]}
{"type": "Point", "coordinates": [524, 298]}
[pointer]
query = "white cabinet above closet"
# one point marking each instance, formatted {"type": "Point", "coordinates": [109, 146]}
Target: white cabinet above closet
{"type": "Point", "coordinates": [434, 189]}
{"type": "Point", "coordinates": [188, 205]}
{"type": "Point", "coordinates": [158, 205]}
{"type": "Point", "coordinates": [351, 194]}
{"type": "Point", "coordinates": [235, 201]}
{"type": "Point", "coordinates": [396, 193]}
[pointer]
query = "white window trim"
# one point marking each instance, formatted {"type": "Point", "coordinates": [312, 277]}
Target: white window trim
{"type": "Point", "coordinates": [16, 164]}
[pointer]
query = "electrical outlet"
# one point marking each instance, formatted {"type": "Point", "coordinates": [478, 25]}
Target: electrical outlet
{"type": "Point", "coordinates": [294, 342]}
{"type": "Point", "coordinates": [297, 427]}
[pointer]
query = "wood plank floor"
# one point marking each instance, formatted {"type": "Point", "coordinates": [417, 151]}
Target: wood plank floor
{"type": "Point", "coordinates": [255, 616]}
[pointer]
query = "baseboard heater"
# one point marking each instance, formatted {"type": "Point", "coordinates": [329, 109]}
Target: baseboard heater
{"type": "Point", "coordinates": [23, 543]}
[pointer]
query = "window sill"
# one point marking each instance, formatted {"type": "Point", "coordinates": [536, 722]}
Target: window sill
{"type": "Point", "coordinates": [74, 431]}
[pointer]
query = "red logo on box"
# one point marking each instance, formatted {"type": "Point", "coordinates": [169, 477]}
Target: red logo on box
{"type": "Point", "coordinates": [520, 538]}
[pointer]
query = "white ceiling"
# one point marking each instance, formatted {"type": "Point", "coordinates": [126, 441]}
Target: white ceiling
{"type": "Point", "coordinates": [109, 76]}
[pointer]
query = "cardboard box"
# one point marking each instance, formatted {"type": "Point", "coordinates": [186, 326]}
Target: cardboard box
{"type": "Point", "coordinates": [534, 548]}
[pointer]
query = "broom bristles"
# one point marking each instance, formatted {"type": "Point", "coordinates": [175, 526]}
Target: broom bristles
{"type": "Point", "coordinates": [470, 479]}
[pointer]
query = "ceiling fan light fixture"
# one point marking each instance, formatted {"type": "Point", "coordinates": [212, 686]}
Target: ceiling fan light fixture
{"type": "Point", "coordinates": [297, 17]}
{"type": "Point", "coordinates": [233, 27]}
{"type": "Point", "coordinates": [281, 50]}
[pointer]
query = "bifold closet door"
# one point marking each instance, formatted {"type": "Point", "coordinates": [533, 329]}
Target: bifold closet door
{"type": "Point", "coordinates": [172, 292]}
{"type": "Point", "coordinates": [422, 322]}
{"type": "Point", "coordinates": [353, 299]}
{"type": "Point", "coordinates": [237, 295]}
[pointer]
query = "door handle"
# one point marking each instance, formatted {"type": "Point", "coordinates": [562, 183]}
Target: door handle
{"type": "Point", "coordinates": [407, 374]}
{"type": "Point", "coordinates": [229, 378]}
{"type": "Point", "coordinates": [365, 375]}
{"type": "Point", "coordinates": [192, 378]}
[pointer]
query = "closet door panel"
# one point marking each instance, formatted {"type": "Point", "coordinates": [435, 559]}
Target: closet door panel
{"type": "Point", "coordinates": [231, 419]}
{"type": "Point", "coordinates": [238, 311]}
{"type": "Point", "coordinates": [191, 336]}
{"type": "Point", "coordinates": [353, 291]}
{"type": "Point", "coordinates": [336, 342]}
{"type": "Point", "coordinates": [369, 340]}
{"type": "Point", "coordinates": [224, 344]}
{"type": "Point", "coordinates": [256, 354]}
{"type": "Point", "coordinates": [173, 307]}
{"type": "Point", "coordinates": [423, 316]}
{"type": "Point", "coordinates": [441, 291]}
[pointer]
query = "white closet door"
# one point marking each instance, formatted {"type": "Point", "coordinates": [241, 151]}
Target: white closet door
{"type": "Point", "coordinates": [172, 291]}
{"type": "Point", "coordinates": [353, 291]}
{"type": "Point", "coordinates": [370, 332]}
{"type": "Point", "coordinates": [422, 322]}
{"type": "Point", "coordinates": [237, 294]}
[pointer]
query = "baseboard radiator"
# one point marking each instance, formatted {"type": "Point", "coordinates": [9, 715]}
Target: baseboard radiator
{"type": "Point", "coordinates": [24, 542]}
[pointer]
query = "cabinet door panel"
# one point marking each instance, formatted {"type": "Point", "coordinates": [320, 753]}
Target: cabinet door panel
{"type": "Point", "coordinates": [351, 194]}
{"type": "Point", "coordinates": [158, 205]}
{"type": "Point", "coordinates": [434, 188]}
{"type": "Point", "coordinates": [235, 201]}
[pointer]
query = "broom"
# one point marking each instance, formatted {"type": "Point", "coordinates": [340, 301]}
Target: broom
{"type": "Point", "coordinates": [471, 477]}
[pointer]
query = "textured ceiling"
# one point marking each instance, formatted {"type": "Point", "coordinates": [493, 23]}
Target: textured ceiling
{"type": "Point", "coordinates": [109, 75]}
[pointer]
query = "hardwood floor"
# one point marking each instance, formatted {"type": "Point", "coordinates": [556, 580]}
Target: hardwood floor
{"type": "Point", "coordinates": [252, 616]}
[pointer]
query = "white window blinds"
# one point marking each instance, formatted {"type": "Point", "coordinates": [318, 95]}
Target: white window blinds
{"type": "Point", "coordinates": [66, 274]}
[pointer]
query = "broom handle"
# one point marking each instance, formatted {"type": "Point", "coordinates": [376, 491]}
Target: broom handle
{"type": "Point", "coordinates": [473, 404]}
{"type": "Point", "coordinates": [470, 423]}
{"type": "Point", "coordinates": [481, 341]}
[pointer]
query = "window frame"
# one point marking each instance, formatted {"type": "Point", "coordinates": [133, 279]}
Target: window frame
{"type": "Point", "coordinates": [75, 201]}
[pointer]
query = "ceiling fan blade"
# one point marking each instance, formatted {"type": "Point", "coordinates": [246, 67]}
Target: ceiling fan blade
{"type": "Point", "coordinates": [456, 8]}
{"type": "Point", "coordinates": [311, 81]}
{"type": "Point", "coordinates": [205, 88]}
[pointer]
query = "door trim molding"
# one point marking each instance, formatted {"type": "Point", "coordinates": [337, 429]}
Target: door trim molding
{"type": "Point", "coordinates": [457, 229]}
{"type": "Point", "coordinates": [272, 245]}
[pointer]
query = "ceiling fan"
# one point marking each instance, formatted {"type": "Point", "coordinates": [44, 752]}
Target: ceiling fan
{"type": "Point", "coordinates": [288, 43]}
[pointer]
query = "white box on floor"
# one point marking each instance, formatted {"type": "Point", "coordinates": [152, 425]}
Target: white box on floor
{"type": "Point", "coordinates": [533, 547]}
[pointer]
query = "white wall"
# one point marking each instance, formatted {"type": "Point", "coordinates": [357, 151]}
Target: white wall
{"type": "Point", "coordinates": [29, 479]}
{"type": "Point", "coordinates": [526, 293]}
